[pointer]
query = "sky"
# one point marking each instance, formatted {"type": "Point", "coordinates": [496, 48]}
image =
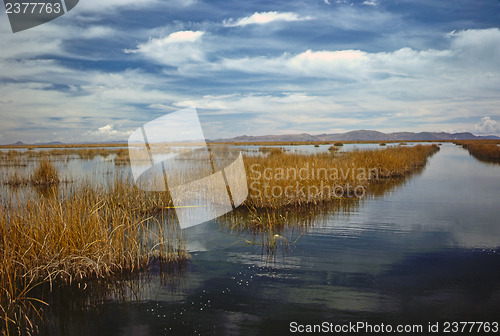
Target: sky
{"type": "Point", "coordinates": [253, 68]}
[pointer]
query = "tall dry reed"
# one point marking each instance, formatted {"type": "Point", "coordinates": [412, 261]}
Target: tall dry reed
{"type": "Point", "coordinates": [86, 233]}
{"type": "Point", "coordinates": [291, 179]}
{"type": "Point", "coordinates": [45, 173]}
{"type": "Point", "coordinates": [482, 150]}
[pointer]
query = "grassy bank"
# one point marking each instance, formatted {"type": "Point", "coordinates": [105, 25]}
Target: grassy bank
{"type": "Point", "coordinates": [487, 151]}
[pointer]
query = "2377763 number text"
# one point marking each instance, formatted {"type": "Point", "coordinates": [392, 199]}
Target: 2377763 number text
{"type": "Point", "coordinates": [32, 8]}
{"type": "Point", "coordinates": [471, 327]}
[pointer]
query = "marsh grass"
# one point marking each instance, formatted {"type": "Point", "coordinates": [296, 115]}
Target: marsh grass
{"type": "Point", "coordinates": [272, 150]}
{"type": "Point", "coordinates": [279, 180]}
{"type": "Point", "coordinates": [275, 223]}
{"type": "Point", "coordinates": [64, 146]}
{"type": "Point", "coordinates": [122, 157]}
{"type": "Point", "coordinates": [486, 151]}
{"type": "Point", "coordinates": [13, 159]}
{"type": "Point", "coordinates": [45, 173]}
{"type": "Point", "coordinates": [333, 148]}
{"type": "Point", "coordinates": [86, 233]}
{"type": "Point", "coordinates": [15, 180]}
{"type": "Point", "coordinates": [304, 143]}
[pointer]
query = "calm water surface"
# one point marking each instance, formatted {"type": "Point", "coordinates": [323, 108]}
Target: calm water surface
{"type": "Point", "coordinates": [428, 250]}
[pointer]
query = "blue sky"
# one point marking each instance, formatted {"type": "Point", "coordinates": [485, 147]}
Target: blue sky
{"type": "Point", "coordinates": [253, 67]}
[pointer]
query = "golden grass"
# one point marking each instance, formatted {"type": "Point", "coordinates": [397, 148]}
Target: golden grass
{"type": "Point", "coordinates": [86, 233]}
{"type": "Point", "coordinates": [303, 143]}
{"type": "Point", "coordinates": [487, 151]}
{"type": "Point", "coordinates": [13, 159]}
{"type": "Point", "coordinates": [278, 221]}
{"type": "Point", "coordinates": [45, 173]}
{"type": "Point", "coordinates": [272, 150]}
{"type": "Point", "coordinates": [333, 148]}
{"type": "Point", "coordinates": [15, 180]}
{"type": "Point", "coordinates": [291, 179]}
{"type": "Point", "coordinates": [66, 145]}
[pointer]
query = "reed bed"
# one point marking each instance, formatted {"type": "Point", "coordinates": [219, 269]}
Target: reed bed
{"type": "Point", "coordinates": [45, 173]}
{"type": "Point", "coordinates": [277, 220]}
{"type": "Point", "coordinates": [13, 159]}
{"type": "Point", "coordinates": [272, 150]}
{"type": "Point", "coordinates": [91, 145]}
{"type": "Point", "coordinates": [83, 153]}
{"type": "Point", "coordinates": [333, 148]}
{"type": "Point", "coordinates": [486, 151]}
{"type": "Point", "coordinates": [81, 234]}
{"type": "Point", "coordinates": [291, 179]}
{"type": "Point", "coordinates": [306, 142]}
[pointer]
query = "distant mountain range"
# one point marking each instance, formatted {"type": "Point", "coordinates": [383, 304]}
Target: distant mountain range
{"type": "Point", "coordinates": [361, 135]}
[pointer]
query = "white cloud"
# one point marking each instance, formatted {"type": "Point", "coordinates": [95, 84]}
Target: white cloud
{"type": "Point", "coordinates": [353, 65]}
{"type": "Point", "coordinates": [481, 46]}
{"type": "Point", "coordinates": [107, 133]}
{"type": "Point", "coordinates": [182, 36]}
{"type": "Point", "coordinates": [487, 126]}
{"type": "Point", "coordinates": [370, 2]}
{"type": "Point", "coordinates": [327, 2]}
{"type": "Point", "coordinates": [471, 61]}
{"type": "Point", "coordinates": [265, 18]}
{"type": "Point", "coordinates": [175, 49]}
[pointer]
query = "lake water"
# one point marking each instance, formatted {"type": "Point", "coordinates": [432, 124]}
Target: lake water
{"type": "Point", "coordinates": [426, 251]}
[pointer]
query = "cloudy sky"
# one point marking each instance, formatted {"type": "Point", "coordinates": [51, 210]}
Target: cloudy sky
{"type": "Point", "coordinates": [253, 67]}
